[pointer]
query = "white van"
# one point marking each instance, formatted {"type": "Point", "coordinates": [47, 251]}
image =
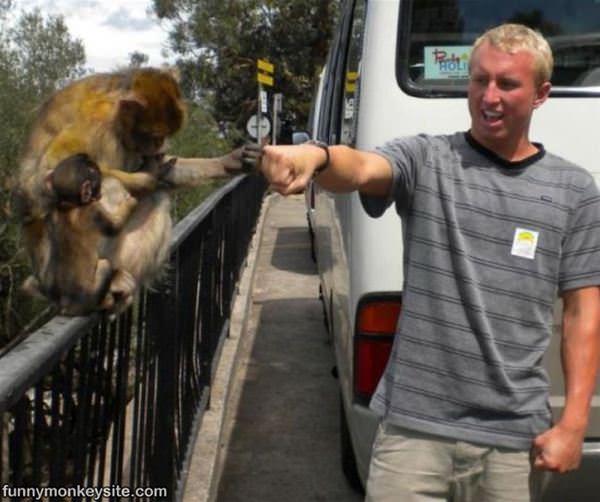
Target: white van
{"type": "Point", "coordinates": [399, 67]}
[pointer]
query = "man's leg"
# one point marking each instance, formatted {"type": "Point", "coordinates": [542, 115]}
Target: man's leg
{"type": "Point", "coordinates": [407, 466]}
{"type": "Point", "coordinates": [508, 477]}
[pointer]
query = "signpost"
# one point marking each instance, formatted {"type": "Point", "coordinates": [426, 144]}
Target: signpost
{"type": "Point", "coordinates": [277, 107]}
{"type": "Point", "coordinates": [264, 76]}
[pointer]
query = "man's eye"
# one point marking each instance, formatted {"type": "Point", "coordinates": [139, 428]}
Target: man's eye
{"type": "Point", "coordinates": [508, 84]}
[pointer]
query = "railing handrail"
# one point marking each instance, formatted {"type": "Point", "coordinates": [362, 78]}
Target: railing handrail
{"type": "Point", "coordinates": [196, 215]}
{"type": "Point", "coordinates": [23, 365]}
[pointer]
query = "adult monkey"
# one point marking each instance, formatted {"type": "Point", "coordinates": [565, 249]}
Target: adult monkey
{"type": "Point", "coordinates": [120, 120]}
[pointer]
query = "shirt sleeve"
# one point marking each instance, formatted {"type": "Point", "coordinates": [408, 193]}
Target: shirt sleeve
{"type": "Point", "coordinates": [580, 261]}
{"type": "Point", "coordinates": [404, 155]}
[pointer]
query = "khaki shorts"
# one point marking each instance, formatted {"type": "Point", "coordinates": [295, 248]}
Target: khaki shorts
{"type": "Point", "coordinates": [408, 466]}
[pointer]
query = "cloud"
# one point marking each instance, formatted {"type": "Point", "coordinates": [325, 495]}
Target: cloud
{"type": "Point", "coordinates": [110, 31]}
{"type": "Point", "coordinates": [64, 7]}
{"type": "Point", "coordinates": [122, 19]}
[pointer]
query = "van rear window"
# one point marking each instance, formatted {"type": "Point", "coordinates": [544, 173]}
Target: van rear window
{"type": "Point", "coordinates": [436, 37]}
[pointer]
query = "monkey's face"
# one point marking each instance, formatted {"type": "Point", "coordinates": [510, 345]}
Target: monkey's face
{"type": "Point", "coordinates": [141, 131]}
{"type": "Point", "coordinates": [152, 112]}
{"type": "Point", "coordinates": [148, 142]}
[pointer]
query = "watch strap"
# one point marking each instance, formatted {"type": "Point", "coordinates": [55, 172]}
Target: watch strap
{"type": "Point", "coordinates": [325, 147]}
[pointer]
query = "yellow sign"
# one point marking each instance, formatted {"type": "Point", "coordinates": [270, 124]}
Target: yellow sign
{"type": "Point", "coordinates": [265, 66]}
{"type": "Point", "coordinates": [265, 72]}
{"type": "Point", "coordinates": [351, 78]}
{"type": "Point", "coordinates": [265, 79]}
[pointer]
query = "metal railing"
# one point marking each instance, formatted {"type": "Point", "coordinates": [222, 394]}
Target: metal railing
{"type": "Point", "coordinates": [89, 403]}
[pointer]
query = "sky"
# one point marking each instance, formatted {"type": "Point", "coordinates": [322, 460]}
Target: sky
{"type": "Point", "coordinates": [110, 30]}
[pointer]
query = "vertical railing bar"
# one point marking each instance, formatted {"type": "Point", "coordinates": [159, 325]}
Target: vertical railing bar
{"type": "Point", "coordinates": [67, 413]}
{"type": "Point", "coordinates": [98, 333]}
{"type": "Point", "coordinates": [120, 403]}
{"type": "Point", "coordinates": [137, 426]}
{"type": "Point", "coordinates": [16, 453]}
{"type": "Point", "coordinates": [150, 397]}
{"type": "Point", "coordinates": [38, 432]}
{"type": "Point", "coordinates": [80, 466]}
{"type": "Point", "coordinates": [57, 467]}
{"type": "Point", "coordinates": [96, 432]}
{"type": "Point", "coordinates": [103, 421]}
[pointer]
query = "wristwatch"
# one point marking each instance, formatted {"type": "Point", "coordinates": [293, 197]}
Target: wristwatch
{"type": "Point", "coordinates": [325, 147]}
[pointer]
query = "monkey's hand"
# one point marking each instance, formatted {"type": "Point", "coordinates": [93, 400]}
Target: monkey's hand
{"type": "Point", "coordinates": [242, 160]}
{"type": "Point", "coordinates": [166, 167]}
{"type": "Point", "coordinates": [139, 183]}
{"type": "Point", "coordinates": [156, 165]}
{"type": "Point", "coordinates": [120, 293]}
{"type": "Point", "coordinates": [163, 171]}
{"type": "Point", "coordinates": [252, 156]}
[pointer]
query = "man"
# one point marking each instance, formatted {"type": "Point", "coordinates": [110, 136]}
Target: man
{"type": "Point", "coordinates": [495, 227]}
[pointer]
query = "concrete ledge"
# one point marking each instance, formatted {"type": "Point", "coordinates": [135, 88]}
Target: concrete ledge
{"type": "Point", "coordinates": [206, 464]}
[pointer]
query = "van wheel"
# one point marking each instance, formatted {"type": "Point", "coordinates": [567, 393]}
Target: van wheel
{"type": "Point", "coordinates": [348, 457]}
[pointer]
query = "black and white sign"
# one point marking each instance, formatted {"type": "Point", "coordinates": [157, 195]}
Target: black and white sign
{"type": "Point", "coordinates": [252, 127]}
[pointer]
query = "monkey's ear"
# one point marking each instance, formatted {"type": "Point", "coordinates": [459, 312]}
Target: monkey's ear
{"type": "Point", "coordinates": [86, 193]}
{"type": "Point", "coordinates": [131, 107]}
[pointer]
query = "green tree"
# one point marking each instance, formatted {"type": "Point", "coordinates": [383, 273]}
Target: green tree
{"type": "Point", "coordinates": [37, 55]}
{"type": "Point", "coordinates": [138, 59]}
{"type": "Point", "coordinates": [217, 44]}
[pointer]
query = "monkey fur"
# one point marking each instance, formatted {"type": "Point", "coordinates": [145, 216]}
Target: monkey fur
{"type": "Point", "coordinates": [121, 121]}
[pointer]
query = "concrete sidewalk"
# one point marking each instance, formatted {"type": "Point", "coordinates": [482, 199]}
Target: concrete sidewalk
{"type": "Point", "coordinates": [272, 433]}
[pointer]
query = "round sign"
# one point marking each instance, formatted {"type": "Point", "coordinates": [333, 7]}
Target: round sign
{"type": "Point", "coordinates": [252, 126]}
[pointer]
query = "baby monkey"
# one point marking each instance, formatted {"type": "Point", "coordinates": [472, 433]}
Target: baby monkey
{"type": "Point", "coordinates": [87, 207]}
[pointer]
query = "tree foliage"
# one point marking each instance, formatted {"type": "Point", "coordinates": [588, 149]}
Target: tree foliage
{"type": "Point", "coordinates": [37, 55]}
{"type": "Point", "coordinates": [218, 42]}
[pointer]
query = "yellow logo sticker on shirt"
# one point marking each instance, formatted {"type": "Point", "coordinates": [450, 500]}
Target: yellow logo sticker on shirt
{"type": "Point", "coordinates": [525, 243]}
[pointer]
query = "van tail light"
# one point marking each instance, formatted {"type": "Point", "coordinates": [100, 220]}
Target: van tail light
{"type": "Point", "coordinates": [376, 321]}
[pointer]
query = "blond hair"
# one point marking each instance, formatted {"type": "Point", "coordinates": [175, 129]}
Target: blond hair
{"type": "Point", "coordinates": [512, 38]}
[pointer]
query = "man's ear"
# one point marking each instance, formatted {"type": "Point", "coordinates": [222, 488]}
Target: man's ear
{"type": "Point", "coordinates": [542, 94]}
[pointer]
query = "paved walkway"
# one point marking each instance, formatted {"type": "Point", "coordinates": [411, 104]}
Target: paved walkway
{"type": "Point", "coordinates": [282, 443]}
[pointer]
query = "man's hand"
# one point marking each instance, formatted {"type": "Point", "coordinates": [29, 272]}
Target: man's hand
{"type": "Point", "coordinates": [558, 449]}
{"type": "Point", "coordinates": [289, 168]}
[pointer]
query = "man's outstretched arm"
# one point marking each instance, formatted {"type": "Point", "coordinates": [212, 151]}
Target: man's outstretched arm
{"type": "Point", "coordinates": [289, 168]}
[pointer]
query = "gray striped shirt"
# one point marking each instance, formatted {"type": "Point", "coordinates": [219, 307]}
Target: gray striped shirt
{"type": "Point", "coordinates": [488, 245]}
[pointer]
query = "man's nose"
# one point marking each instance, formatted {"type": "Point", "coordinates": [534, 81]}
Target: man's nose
{"type": "Point", "coordinates": [491, 94]}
